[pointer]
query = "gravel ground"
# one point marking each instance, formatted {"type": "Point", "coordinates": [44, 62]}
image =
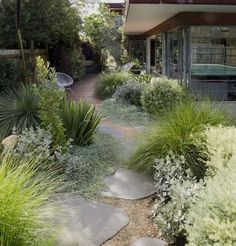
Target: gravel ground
{"type": "Point", "coordinates": [141, 224]}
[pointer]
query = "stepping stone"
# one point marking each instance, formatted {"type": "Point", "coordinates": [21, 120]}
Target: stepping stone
{"type": "Point", "coordinates": [127, 184]}
{"type": "Point", "coordinates": [148, 241]}
{"type": "Point", "coordinates": [85, 223]}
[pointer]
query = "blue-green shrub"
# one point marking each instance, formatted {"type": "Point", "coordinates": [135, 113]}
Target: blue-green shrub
{"type": "Point", "coordinates": [130, 92]}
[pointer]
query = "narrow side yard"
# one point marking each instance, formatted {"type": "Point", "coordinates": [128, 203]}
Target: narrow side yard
{"type": "Point", "coordinates": [139, 210]}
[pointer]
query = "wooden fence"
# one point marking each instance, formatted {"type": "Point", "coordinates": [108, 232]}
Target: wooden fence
{"type": "Point", "coordinates": [30, 56]}
{"type": "Point", "coordinates": [28, 52]}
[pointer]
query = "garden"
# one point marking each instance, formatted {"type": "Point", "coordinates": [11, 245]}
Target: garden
{"type": "Point", "coordinates": [147, 126]}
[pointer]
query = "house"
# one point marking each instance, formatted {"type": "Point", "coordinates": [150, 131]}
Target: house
{"type": "Point", "coordinates": [193, 41]}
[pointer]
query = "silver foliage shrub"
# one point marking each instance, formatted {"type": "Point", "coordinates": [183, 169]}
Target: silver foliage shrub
{"type": "Point", "coordinates": [39, 143]}
{"type": "Point", "coordinates": [176, 189]}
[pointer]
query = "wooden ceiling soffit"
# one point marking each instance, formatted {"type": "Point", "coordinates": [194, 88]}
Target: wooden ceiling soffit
{"type": "Point", "coordinates": [192, 18]}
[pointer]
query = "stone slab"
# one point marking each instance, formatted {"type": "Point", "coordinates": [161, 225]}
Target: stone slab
{"type": "Point", "coordinates": [127, 184]}
{"type": "Point", "coordinates": [148, 241]}
{"type": "Point", "coordinates": [81, 222]}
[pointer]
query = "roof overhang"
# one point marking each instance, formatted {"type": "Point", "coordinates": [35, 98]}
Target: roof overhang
{"type": "Point", "coordinates": [144, 17]}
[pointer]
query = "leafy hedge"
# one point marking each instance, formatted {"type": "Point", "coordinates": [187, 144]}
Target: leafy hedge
{"type": "Point", "coordinates": [9, 73]}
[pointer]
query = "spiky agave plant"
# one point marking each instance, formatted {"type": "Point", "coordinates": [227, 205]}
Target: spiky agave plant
{"type": "Point", "coordinates": [19, 110]}
{"type": "Point", "coordinates": [23, 194]}
{"type": "Point", "coordinates": [81, 121]}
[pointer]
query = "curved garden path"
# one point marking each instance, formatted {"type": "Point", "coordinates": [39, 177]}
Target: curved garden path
{"type": "Point", "coordinates": [140, 230]}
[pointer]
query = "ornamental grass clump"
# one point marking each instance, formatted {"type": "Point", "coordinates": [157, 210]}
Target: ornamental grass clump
{"type": "Point", "coordinates": [18, 109]}
{"type": "Point", "coordinates": [108, 83]}
{"type": "Point", "coordinates": [22, 195]}
{"type": "Point", "coordinates": [81, 121]}
{"type": "Point", "coordinates": [180, 131]}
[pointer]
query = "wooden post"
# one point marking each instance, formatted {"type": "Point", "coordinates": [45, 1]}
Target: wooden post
{"type": "Point", "coordinates": [148, 55]}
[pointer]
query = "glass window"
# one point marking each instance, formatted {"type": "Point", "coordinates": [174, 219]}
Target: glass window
{"type": "Point", "coordinates": [213, 61]}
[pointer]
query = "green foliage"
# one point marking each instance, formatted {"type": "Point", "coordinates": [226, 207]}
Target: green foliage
{"type": "Point", "coordinates": [161, 94]}
{"type": "Point", "coordinates": [176, 189]}
{"type": "Point", "coordinates": [69, 60]}
{"type": "Point", "coordinates": [108, 83]}
{"type": "Point", "coordinates": [89, 165]}
{"type": "Point", "coordinates": [23, 194]}
{"type": "Point", "coordinates": [19, 110]}
{"type": "Point", "coordinates": [81, 121]}
{"type": "Point", "coordinates": [180, 131]}
{"type": "Point", "coordinates": [9, 73]}
{"type": "Point", "coordinates": [130, 92]}
{"type": "Point", "coordinates": [45, 22]}
{"type": "Point", "coordinates": [212, 219]}
{"type": "Point", "coordinates": [125, 114]}
{"type": "Point", "coordinates": [105, 38]}
{"type": "Point", "coordinates": [50, 99]}
{"type": "Point", "coordinates": [144, 78]}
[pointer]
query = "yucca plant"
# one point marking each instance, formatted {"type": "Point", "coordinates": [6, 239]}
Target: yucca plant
{"type": "Point", "coordinates": [23, 194]}
{"type": "Point", "coordinates": [81, 121]}
{"type": "Point", "coordinates": [179, 130]}
{"type": "Point", "coordinates": [19, 110]}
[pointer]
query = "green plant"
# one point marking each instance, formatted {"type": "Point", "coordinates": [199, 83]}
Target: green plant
{"type": "Point", "coordinates": [19, 110]}
{"type": "Point", "coordinates": [130, 92]}
{"type": "Point", "coordinates": [180, 131]}
{"type": "Point", "coordinates": [161, 94]}
{"type": "Point", "coordinates": [50, 22]}
{"type": "Point", "coordinates": [22, 195]}
{"type": "Point", "coordinates": [50, 98]}
{"type": "Point", "coordinates": [144, 78]}
{"type": "Point", "coordinates": [103, 36]}
{"type": "Point", "coordinates": [9, 73]}
{"type": "Point", "coordinates": [80, 120]}
{"type": "Point", "coordinates": [108, 83]}
{"type": "Point", "coordinates": [212, 219]}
